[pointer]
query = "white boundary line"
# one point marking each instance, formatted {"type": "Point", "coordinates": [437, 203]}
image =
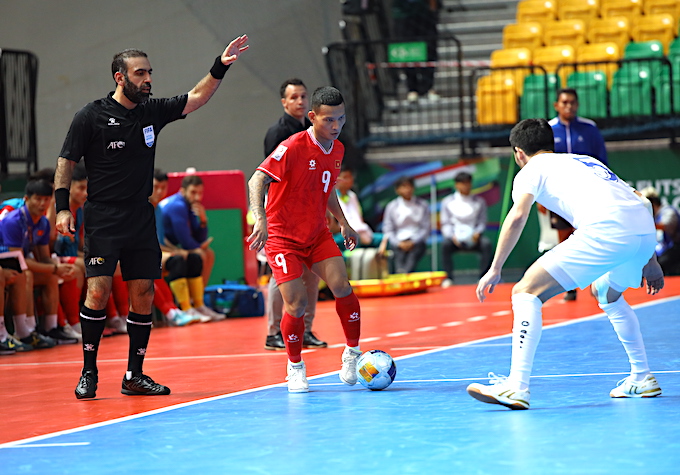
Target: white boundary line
{"type": "Point", "coordinates": [23, 442]}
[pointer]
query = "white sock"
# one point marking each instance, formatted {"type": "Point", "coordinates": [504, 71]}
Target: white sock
{"type": "Point", "coordinates": [50, 321]}
{"type": "Point", "coordinates": [172, 313]}
{"type": "Point", "coordinates": [527, 327]}
{"type": "Point", "coordinates": [3, 330]}
{"type": "Point", "coordinates": [32, 323]}
{"type": "Point", "coordinates": [627, 328]}
{"type": "Point", "coordinates": [22, 327]}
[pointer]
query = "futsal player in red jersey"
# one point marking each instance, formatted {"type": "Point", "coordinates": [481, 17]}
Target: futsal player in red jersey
{"type": "Point", "coordinates": [299, 178]}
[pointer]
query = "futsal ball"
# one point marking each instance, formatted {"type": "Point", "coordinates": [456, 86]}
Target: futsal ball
{"type": "Point", "coordinates": [376, 370]}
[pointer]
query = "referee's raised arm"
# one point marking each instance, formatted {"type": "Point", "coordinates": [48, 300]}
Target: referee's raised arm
{"type": "Point", "coordinates": [206, 87]}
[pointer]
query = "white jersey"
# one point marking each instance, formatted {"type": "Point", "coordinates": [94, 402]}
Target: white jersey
{"type": "Point", "coordinates": [584, 192]}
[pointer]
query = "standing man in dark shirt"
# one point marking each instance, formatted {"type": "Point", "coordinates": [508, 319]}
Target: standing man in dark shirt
{"type": "Point", "coordinates": [117, 137]}
{"type": "Point", "coordinates": [296, 106]}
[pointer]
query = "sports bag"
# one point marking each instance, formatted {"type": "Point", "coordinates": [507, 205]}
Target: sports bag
{"type": "Point", "coordinates": [235, 300]}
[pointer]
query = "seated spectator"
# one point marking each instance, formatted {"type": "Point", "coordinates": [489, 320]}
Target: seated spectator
{"type": "Point", "coordinates": [351, 207]}
{"type": "Point", "coordinates": [183, 272]}
{"type": "Point", "coordinates": [406, 226]}
{"type": "Point", "coordinates": [186, 224]}
{"type": "Point", "coordinates": [463, 221]}
{"type": "Point", "coordinates": [28, 230]}
{"type": "Point", "coordinates": [12, 282]}
{"type": "Point", "coordinates": [667, 220]}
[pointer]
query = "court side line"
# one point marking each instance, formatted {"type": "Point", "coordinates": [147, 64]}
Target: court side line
{"type": "Point", "coordinates": [38, 438]}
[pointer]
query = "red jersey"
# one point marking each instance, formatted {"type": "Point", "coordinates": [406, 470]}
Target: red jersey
{"type": "Point", "coordinates": [304, 176]}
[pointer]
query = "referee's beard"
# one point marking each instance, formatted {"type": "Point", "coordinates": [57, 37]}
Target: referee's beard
{"type": "Point", "coordinates": [135, 94]}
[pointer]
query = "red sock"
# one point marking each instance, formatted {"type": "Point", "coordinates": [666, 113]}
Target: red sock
{"type": "Point", "coordinates": [121, 296]}
{"type": "Point", "coordinates": [162, 296]}
{"type": "Point", "coordinates": [350, 317]}
{"type": "Point", "coordinates": [69, 297]}
{"type": "Point", "coordinates": [293, 330]}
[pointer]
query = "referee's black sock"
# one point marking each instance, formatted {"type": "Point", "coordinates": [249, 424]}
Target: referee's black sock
{"type": "Point", "coordinates": [92, 324]}
{"type": "Point", "coordinates": [139, 329]}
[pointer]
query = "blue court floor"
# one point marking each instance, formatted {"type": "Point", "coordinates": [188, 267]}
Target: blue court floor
{"type": "Point", "coordinates": [425, 423]}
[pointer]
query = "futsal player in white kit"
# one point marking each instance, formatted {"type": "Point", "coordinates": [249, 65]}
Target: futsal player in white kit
{"type": "Point", "coordinates": [612, 249]}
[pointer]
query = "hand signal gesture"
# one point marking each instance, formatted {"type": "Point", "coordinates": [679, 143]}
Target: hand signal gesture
{"type": "Point", "coordinates": [234, 50]}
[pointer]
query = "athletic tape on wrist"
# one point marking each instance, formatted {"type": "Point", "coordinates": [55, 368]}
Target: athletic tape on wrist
{"type": "Point", "coordinates": [61, 197]}
{"type": "Point", "coordinates": [218, 69]}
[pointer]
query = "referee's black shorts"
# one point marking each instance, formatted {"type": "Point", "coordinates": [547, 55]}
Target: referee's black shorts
{"type": "Point", "coordinates": [125, 233]}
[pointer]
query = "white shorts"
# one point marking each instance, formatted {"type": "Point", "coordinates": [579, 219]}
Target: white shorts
{"type": "Point", "coordinates": [582, 259]}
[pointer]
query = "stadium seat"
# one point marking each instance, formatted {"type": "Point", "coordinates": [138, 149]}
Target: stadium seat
{"type": "Point", "coordinates": [612, 29]}
{"type": "Point", "coordinates": [653, 50]}
{"type": "Point", "coordinates": [591, 87]}
{"type": "Point", "coordinates": [538, 96]}
{"type": "Point", "coordinates": [519, 58]}
{"type": "Point", "coordinates": [663, 92]}
{"type": "Point", "coordinates": [564, 32]}
{"type": "Point", "coordinates": [606, 54]}
{"type": "Point", "coordinates": [496, 100]}
{"type": "Point", "coordinates": [631, 9]}
{"type": "Point", "coordinates": [585, 10]}
{"type": "Point", "coordinates": [523, 35]}
{"type": "Point", "coordinates": [654, 7]}
{"type": "Point", "coordinates": [550, 57]}
{"type": "Point", "coordinates": [539, 11]}
{"type": "Point", "coordinates": [631, 94]}
{"type": "Point", "coordinates": [661, 27]}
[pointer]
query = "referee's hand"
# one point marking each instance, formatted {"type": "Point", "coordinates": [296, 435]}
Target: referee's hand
{"type": "Point", "coordinates": [66, 223]}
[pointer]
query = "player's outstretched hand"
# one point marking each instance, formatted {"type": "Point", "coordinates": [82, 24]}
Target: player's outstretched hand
{"type": "Point", "coordinates": [488, 281]}
{"type": "Point", "coordinates": [234, 49]}
{"type": "Point", "coordinates": [258, 237]}
{"type": "Point", "coordinates": [653, 274]}
{"type": "Point", "coordinates": [66, 223]}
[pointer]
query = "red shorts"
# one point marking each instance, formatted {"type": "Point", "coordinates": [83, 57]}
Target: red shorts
{"type": "Point", "coordinates": [67, 259]}
{"type": "Point", "coordinates": [286, 260]}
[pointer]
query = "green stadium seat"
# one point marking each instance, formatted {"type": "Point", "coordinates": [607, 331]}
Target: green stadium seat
{"type": "Point", "coordinates": [631, 94]}
{"type": "Point", "coordinates": [663, 92]}
{"type": "Point", "coordinates": [591, 87]}
{"type": "Point", "coordinates": [537, 99]}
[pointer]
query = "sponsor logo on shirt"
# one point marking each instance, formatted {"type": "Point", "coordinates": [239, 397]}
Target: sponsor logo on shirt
{"type": "Point", "coordinates": [312, 164]}
{"type": "Point", "coordinates": [149, 136]}
{"type": "Point", "coordinates": [116, 145]}
{"type": "Point", "coordinates": [96, 261]}
{"type": "Point", "coordinates": [278, 153]}
{"type": "Point", "coordinates": [112, 121]}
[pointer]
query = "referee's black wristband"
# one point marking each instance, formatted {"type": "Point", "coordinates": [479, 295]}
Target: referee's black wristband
{"type": "Point", "coordinates": [61, 197]}
{"type": "Point", "coordinates": [219, 69]}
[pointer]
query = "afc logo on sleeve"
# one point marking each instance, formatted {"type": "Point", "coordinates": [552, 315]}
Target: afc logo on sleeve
{"type": "Point", "coordinates": [278, 153]}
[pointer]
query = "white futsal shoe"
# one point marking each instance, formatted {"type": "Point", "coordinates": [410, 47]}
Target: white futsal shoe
{"type": "Point", "coordinates": [297, 378]}
{"type": "Point", "coordinates": [500, 392]}
{"type": "Point", "coordinates": [348, 373]}
{"type": "Point", "coordinates": [648, 387]}
{"type": "Point", "coordinates": [214, 316]}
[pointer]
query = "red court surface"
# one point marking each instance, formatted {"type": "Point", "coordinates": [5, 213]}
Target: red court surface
{"type": "Point", "coordinates": [211, 359]}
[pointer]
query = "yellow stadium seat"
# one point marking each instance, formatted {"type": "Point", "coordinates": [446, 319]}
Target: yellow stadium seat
{"type": "Point", "coordinates": [661, 27]}
{"type": "Point", "coordinates": [511, 58]}
{"type": "Point", "coordinates": [496, 100]}
{"type": "Point", "coordinates": [564, 32]}
{"type": "Point", "coordinates": [550, 57]}
{"type": "Point", "coordinates": [655, 7]}
{"type": "Point", "coordinates": [585, 10]}
{"type": "Point", "coordinates": [523, 35]}
{"type": "Point", "coordinates": [611, 29]}
{"type": "Point", "coordinates": [631, 9]}
{"type": "Point", "coordinates": [536, 10]}
{"type": "Point", "coordinates": [607, 53]}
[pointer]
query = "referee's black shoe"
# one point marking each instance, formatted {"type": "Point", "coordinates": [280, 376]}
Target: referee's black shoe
{"type": "Point", "coordinates": [142, 385]}
{"type": "Point", "coordinates": [311, 341]}
{"type": "Point", "coordinates": [87, 386]}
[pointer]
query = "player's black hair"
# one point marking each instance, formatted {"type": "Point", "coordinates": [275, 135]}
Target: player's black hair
{"type": "Point", "coordinates": [326, 96]}
{"type": "Point", "coordinates": [46, 174]}
{"type": "Point", "coordinates": [566, 90]}
{"type": "Point", "coordinates": [463, 177]}
{"type": "Point", "coordinates": [347, 168]}
{"type": "Point", "coordinates": [119, 63]}
{"type": "Point", "coordinates": [190, 180]}
{"type": "Point", "coordinates": [532, 136]}
{"type": "Point", "coordinates": [38, 187]}
{"type": "Point", "coordinates": [292, 82]}
{"type": "Point", "coordinates": [159, 175]}
{"type": "Point", "coordinates": [404, 180]}
{"type": "Point", "coordinates": [79, 173]}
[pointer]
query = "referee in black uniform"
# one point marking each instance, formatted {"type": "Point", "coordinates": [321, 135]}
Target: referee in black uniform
{"type": "Point", "coordinates": [117, 137]}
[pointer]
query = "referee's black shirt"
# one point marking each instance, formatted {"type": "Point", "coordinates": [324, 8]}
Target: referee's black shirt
{"type": "Point", "coordinates": [119, 146]}
{"type": "Point", "coordinates": [286, 126]}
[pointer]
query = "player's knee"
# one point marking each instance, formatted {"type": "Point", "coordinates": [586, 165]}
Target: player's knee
{"type": "Point", "coordinates": [176, 267]}
{"type": "Point", "coordinates": [194, 265]}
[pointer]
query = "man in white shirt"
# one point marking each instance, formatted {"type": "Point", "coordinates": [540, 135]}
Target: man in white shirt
{"type": "Point", "coordinates": [463, 221]}
{"type": "Point", "coordinates": [612, 248]}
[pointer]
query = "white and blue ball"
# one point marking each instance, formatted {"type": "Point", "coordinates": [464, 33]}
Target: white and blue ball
{"type": "Point", "coordinates": [376, 370]}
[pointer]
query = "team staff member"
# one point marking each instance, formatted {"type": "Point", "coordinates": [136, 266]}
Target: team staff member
{"type": "Point", "coordinates": [294, 119]}
{"type": "Point", "coordinates": [301, 175]}
{"type": "Point", "coordinates": [117, 137]}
